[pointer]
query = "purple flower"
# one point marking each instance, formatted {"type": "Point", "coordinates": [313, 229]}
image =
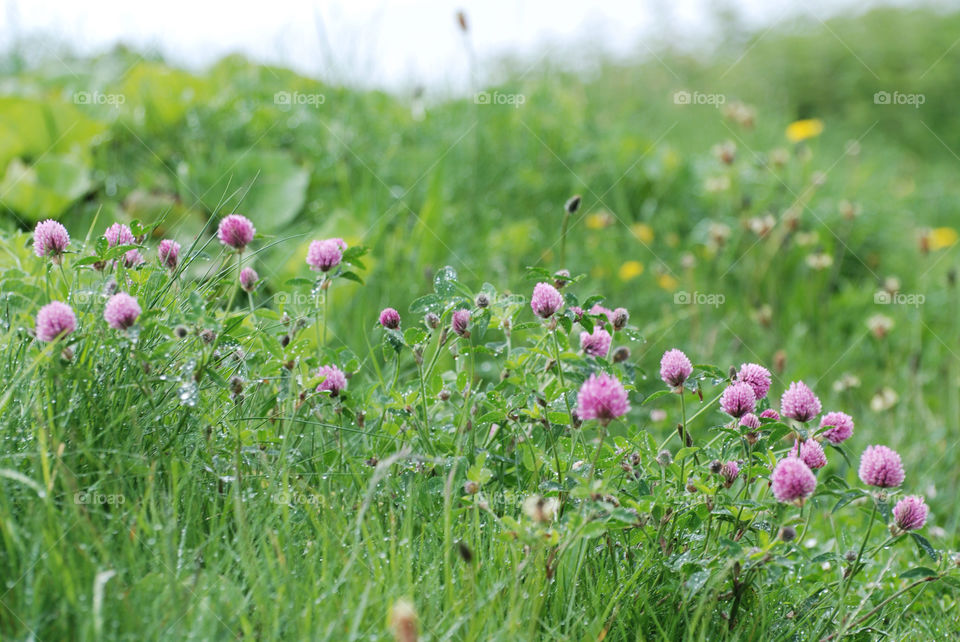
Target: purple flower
{"type": "Point", "coordinates": [810, 452]}
{"type": "Point", "coordinates": [599, 310]}
{"type": "Point", "coordinates": [880, 466]}
{"type": "Point", "coordinates": [169, 253]}
{"type": "Point", "coordinates": [390, 319]}
{"type": "Point", "coordinates": [737, 400]}
{"type": "Point", "coordinates": [910, 513]}
{"type": "Point", "coordinates": [546, 300]}
{"type": "Point", "coordinates": [118, 234]}
{"type": "Point", "coordinates": [675, 368]}
{"type": "Point", "coordinates": [333, 380]}
{"type": "Point", "coordinates": [770, 413]}
{"type": "Point", "coordinates": [236, 231]}
{"type": "Point", "coordinates": [323, 256]}
{"type": "Point", "coordinates": [842, 427]}
{"type": "Point", "coordinates": [461, 320]}
{"type": "Point", "coordinates": [757, 376]}
{"type": "Point", "coordinates": [122, 311]}
{"type": "Point", "coordinates": [50, 238]}
{"type": "Point", "coordinates": [799, 402]}
{"type": "Point", "coordinates": [750, 421]}
{"type": "Point", "coordinates": [729, 473]}
{"type": "Point", "coordinates": [248, 279]}
{"type": "Point", "coordinates": [603, 398]}
{"type": "Point", "coordinates": [792, 480]}
{"type": "Point", "coordinates": [54, 320]}
{"type": "Point", "coordinates": [596, 344]}
{"type": "Point", "coordinates": [132, 258]}
{"type": "Point", "coordinates": [577, 312]}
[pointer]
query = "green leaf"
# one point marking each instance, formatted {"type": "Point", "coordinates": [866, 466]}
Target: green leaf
{"type": "Point", "coordinates": [925, 546]}
{"type": "Point", "coordinates": [656, 395]}
{"type": "Point", "coordinates": [445, 282]}
{"type": "Point", "coordinates": [427, 303]}
{"type": "Point", "coordinates": [352, 276]}
{"type": "Point", "coordinates": [269, 187]}
{"type": "Point", "coordinates": [918, 571]}
{"type": "Point", "coordinates": [46, 188]}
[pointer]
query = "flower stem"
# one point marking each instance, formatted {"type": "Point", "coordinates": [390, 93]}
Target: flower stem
{"type": "Point", "coordinates": [853, 571]}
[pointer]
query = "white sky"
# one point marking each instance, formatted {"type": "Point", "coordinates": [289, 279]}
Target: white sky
{"type": "Point", "coordinates": [392, 44]}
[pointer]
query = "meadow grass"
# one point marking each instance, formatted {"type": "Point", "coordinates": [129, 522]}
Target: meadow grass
{"type": "Point", "coordinates": [143, 500]}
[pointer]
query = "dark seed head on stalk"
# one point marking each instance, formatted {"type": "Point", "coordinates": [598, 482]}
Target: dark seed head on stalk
{"type": "Point", "coordinates": [573, 204]}
{"type": "Point", "coordinates": [465, 553]}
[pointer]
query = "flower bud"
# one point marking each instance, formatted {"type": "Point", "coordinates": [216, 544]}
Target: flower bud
{"type": "Point", "coordinates": [403, 621]}
{"type": "Point", "coordinates": [788, 533]}
{"type": "Point", "coordinates": [621, 354]}
{"type": "Point", "coordinates": [432, 320]}
{"type": "Point", "coordinates": [664, 458]}
{"type": "Point", "coordinates": [471, 488]}
{"type": "Point", "coordinates": [573, 204]}
{"type": "Point", "coordinates": [482, 300]}
{"type": "Point", "coordinates": [620, 318]}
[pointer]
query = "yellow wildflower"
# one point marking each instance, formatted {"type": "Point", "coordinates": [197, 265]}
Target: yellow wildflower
{"type": "Point", "coordinates": [642, 232]}
{"type": "Point", "coordinates": [667, 282]}
{"type": "Point", "coordinates": [630, 270]}
{"type": "Point", "coordinates": [801, 130]}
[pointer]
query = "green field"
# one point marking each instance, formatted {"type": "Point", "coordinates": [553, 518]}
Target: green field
{"type": "Point", "coordinates": [788, 198]}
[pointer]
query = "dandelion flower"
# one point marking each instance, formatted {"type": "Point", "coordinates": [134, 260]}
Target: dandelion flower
{"type": "Point", "coordinates": [802, 130]}
{"type": "Point", "coordinates": [880, 466]}
{"type": "Point", "coordinates": [630, 270]}
{"type": "Point", "coordinates": [122, 311]}
{"type": "Point", "coordinates": [54, 320]}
